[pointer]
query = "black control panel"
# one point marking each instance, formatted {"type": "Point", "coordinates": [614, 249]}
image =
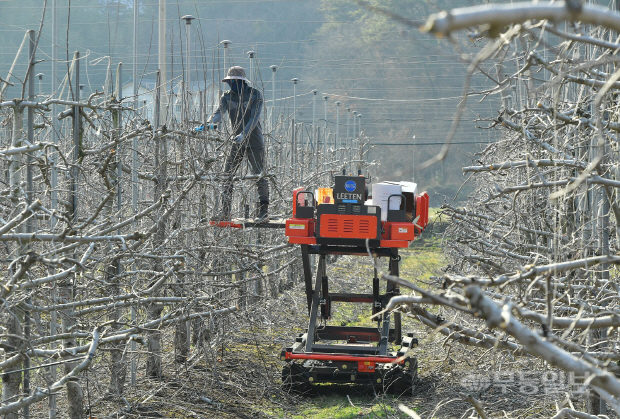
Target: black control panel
{"type": "Point", "coordinates": [349, 190]}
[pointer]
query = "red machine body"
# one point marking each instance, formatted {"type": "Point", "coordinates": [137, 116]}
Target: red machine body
{"type": "Point", "coordinates": [350, 227]}
{"type": "Point", "coordinates": [353, 226]}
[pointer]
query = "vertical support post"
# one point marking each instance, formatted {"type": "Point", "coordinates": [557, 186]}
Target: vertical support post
{"type": "Point", "coordinates": [348, 144]}
{"type": "Point", "coordinates": [116, 364]}
{"type": "Point", "coordinates": [153, 361]}
{"type": "Point", "coordinates": [301, 152]}
{"type": "Point", "coordinates": [320, 273]}
{"type": "Point", "coordinates": [293, 145]}
{"type": "Point", "coordinates": [225, 43]}
{"type": "Point", "coordinates": [251, 56]}
{"type": "Point", "coordinates": [603, 249]}
{"type": "Point", "coordinates": [187, 92]}
{"type": "Point", "coordinates": [359, 125]}
{"type": "Point", "coordinates": [157, 110]}
{"type": "Point", "coordinates": [11, 381]}
{"type": "Point", "coordinates": [413, 154]}
{"type": "Point", "coordinates": [353, 137]}
{"type": "Point", "coordinates": [53, 192]}
{"type": "Point", "coordinates": [274, 69]}
{"type": "Point", "coordinates": [31, 98]}
{"type": "Point", "coordinates": [135, 54]}
{"type": "Point", "coordinates": [376, 302]}
{"type": "Point", "coordinates": [337, 137]}
{"type": "Point", "coordinates": [74, 389]}
{"type": "Point", "coordinates": [354, 122]}
{"type": "Point", "coordinates": [76, 137]}
{"type": "Point", "coordinates": [391, 287]}
{"type": "Point", "coordinates": [316, 134]}
{"type": "Point", "coordinates": [162, 64]}
{"type": "Point", "coordinates": [305, 259]}
{"type": "Point", "coordinates": [325, 133]}
{"type": "Point", "coordinates": [118, 125]}
{"type": "Point", "coordinates": [314, 92]}
{"type": "Point", "coordinates": [294, 159]}
{"type": "Point", "coordinates": [40, 77]}
{"type": "Point", "coordinates": [134, 169]}
{"type": "Point", "coordinates": [29, 192]}
{"type": "Point", "coordinates": [348, 117]}
{"type": "Point", "coordinates": [360, 142]}
{"type": "Point", "coordinates": [182, 330]}
{"type": "Point", "coordinates": [294, 97]}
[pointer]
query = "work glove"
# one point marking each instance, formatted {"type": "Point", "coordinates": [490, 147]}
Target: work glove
{"type": "Point", "coordinates": [239, 139]}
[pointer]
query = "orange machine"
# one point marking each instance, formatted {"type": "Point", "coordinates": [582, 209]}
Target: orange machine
{"type": "Point", "coordinates": [354, 223]}
{"type": "Point", "coordinates": [350, 227]}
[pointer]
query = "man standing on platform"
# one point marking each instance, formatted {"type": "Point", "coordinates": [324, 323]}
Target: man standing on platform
{"type": "Point", "coordinates": [243, 104]}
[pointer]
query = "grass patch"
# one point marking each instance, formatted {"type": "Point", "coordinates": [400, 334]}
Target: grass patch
{"type": "Point", "coordinates": [338, 407]}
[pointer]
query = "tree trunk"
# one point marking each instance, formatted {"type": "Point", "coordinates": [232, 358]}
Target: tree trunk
{"type": "Point", "coordinates": [11, 382]}
{"type": "Point", "coordinates": [118, 367]}
{"type": "Point", "coordinates": [181, 341]}
{"type": "Point", "coordinates": [75, 397]}
{"type": "Point", "coordinates": [153, 360]}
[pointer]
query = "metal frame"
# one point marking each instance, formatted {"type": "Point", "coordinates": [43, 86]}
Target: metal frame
{"type": "Point", "coordinates": [364, 357]}
{"type": "Point", "coordinates": [319, 303]}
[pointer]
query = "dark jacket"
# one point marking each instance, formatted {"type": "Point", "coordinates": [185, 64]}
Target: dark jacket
{"type": "Point", "coordinates": [244, 110]}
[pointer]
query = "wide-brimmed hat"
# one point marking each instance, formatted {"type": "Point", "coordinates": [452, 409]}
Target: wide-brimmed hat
{"type": "Point", "coordinates": [236, 73]}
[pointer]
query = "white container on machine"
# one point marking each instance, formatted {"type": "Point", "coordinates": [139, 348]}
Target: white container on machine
{"type": "Point", "coordinates": [409, 190]}
{"type": "Point", "coordinates": [406, 187]}
{"type": "Point", "coordinates": [380, 194]}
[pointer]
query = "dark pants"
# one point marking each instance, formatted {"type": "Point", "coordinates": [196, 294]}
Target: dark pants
{"type": "Point", "coordinates": [256, 157]}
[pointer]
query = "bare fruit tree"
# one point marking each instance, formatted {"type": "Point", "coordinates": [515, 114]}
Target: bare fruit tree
{"type": "Point", "coordinates": [111, 266]}
{"type": "Point", "coordinates": [533, 255]}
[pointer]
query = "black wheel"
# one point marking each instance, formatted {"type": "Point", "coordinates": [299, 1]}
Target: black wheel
{"type": "Point", "coordinates": [402, 380]}
{"type": "Point", "coordinates": [295, 378]}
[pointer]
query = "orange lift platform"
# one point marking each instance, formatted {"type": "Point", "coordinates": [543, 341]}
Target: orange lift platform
{"type": "Point", "coordinates": [346, 354]}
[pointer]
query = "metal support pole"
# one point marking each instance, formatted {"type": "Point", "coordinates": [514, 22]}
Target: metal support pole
{"type": "Point", "coordinates": [359, 125]}
{"type": "Point", "coordinates": [348, 143]}
{"type": "Point", "coordinates": [251, 56]}
{"type": "Point", "coordinates": [187, 93]}
{"type": "Point", "coordinates": [325, 133]}
{"type": "Point", "coordinates": [294, 97]}
{"type": "Point", "coordinates": [413, 154]}
{"type": "Point", "coordinates": [135, 55]}
{"type": "Point", "coordinates": [76, 137]}
{"type": "Point", "coordinates": [134, 169]}
{"type": "Point", "coordinates": [225, 43]}
{"type": "Point", "coordinates": [40, 77]}
{"type": "Point", "coordinates": [156, 111]}
{"type": "Point", "coordinates": [313, 129]}
{"type": "Point", "coordinates": [163, 59]}
{"type": "Point", "coordinates": [294, 143]}
{"type": "Point", "coordinates": [29, 192]}
{"type": "Point", "coordinates": [31, 98]}
{"type": "Point", "coordinates": [274, 69]}
{"type": "Point", "coordinates": [53, 192]}
{"type": "Point", "coordinates": [118, 126]}
{"type": "Point", "coordinates": [337, 138]}
{"type": "Point", "coordinates": [360, 142]}
{"type": "Point", "coordinates": [348, 117]}
{"type": "Point", "coordinates": [354, 137]}
{"type": "Point", "coordinates": [314, 92]}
